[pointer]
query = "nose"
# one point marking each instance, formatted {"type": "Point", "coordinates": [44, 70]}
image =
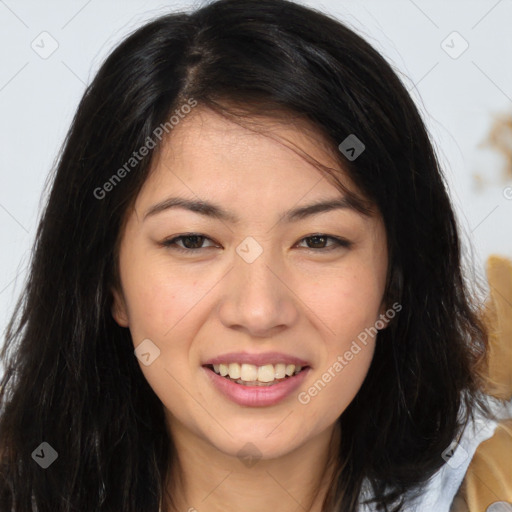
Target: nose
{"type": "Point", "coordinates": [257, 299]}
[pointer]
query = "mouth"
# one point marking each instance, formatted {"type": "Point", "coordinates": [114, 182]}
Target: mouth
{"type": "Point", "coordinates": [256, 376]}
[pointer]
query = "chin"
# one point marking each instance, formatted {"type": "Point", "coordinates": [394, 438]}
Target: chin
{"type": "Point", "coordinates": [246, 443]}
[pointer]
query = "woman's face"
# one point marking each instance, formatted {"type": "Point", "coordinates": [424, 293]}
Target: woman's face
{"type": "Point", "coordinates": [255, 293]}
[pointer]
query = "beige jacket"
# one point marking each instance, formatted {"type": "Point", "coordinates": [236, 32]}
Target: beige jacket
{"type": "Point", "coordinates": [487, 485]}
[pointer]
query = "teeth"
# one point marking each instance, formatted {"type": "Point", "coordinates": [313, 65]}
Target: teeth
{"type": "Point", "coordinates": [266, 373]}
{"type": "Point", "coordinates": [290, 368]}
{"type": "Point", "coordinates": [280, 371]}
{"type": "Point", "coordinates": [234, 370]}
{"type": "Point", "coordinates": [248, 372]}
{"type": "Point", "coordinates": [251, 373]}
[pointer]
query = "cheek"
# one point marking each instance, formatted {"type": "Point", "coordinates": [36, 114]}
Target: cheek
{"type": "Point", "coordinates": [348, 306]}
{"type": "Point", "coordinates": [346, 302]}
{"type": "Point", "coordinates": [161, 309]}
{"type": "Point", "coordinates": [346, 357]}
{"type": "Point", "coordinates": [335, 388]}
{"type": "Point", "coordinates": [157, 301]}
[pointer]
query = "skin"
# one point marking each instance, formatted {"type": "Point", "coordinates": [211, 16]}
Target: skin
{"type": "Point", "coordinates": [296, 297]}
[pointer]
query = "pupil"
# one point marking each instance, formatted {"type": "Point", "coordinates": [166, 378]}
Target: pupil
{"type": "Point", "coordinates": [315, 239]}
{"type": "Point", "coordinates": [185, 239]}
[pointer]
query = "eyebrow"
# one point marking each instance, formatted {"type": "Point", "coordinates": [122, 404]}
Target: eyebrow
{"type": "Point", "coordinates": [214, 211]}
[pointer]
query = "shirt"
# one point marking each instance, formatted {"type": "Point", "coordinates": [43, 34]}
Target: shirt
{"type": "Point", "coordinates": [442, 487]}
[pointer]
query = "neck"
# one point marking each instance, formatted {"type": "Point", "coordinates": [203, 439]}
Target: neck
{"type": "Point", "coordinates": [204, 479]}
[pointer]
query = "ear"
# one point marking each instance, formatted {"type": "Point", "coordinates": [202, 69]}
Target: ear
{"type": "Point", "coordinates": [383, 320]}
{"type": "Point", "coordinates": [119, 309]}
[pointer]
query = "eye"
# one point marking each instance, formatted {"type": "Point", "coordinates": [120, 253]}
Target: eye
{"type": "Point", "coordinates": [320, 239]}
{"type": "Point", "coordinates": [191, 241]}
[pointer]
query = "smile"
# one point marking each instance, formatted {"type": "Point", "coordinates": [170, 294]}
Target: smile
{"type": "Point", "coordinates": [252, 375]}
{"type": "Point", "coordinates": [252, 392]}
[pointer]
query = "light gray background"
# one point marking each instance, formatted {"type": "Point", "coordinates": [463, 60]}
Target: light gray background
{"type": "Point", "coordinates": [458, 98]}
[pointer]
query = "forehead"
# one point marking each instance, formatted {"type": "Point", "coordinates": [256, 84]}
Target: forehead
{"type": "Point", "coordinates": [220, 133]}
{"type": "Point", "coordinates": [262, 164]}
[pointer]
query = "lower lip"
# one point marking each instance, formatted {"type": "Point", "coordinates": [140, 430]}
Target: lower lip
{"type": "Point", "coordinates": [256, 396]}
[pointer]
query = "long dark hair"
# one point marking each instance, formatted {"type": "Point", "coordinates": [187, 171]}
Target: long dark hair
{"type": "Point", "coordinates": [71, 378]}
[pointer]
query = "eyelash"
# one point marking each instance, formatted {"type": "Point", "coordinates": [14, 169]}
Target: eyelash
{"type": "Point", "coordinates": [339, 243]}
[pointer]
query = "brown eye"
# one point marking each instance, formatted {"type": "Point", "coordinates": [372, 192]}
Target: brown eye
{"type": "Point", "coordinates": [190, 242]}
{"type": "Point", "coordinates": [318, 242]}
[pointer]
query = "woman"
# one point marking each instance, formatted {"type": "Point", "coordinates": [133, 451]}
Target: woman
{"type": "Point", "coordinates": [246, 289]}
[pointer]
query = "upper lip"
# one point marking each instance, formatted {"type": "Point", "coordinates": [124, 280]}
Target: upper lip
{"type": "Point", "coordinates": [257, 359]}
